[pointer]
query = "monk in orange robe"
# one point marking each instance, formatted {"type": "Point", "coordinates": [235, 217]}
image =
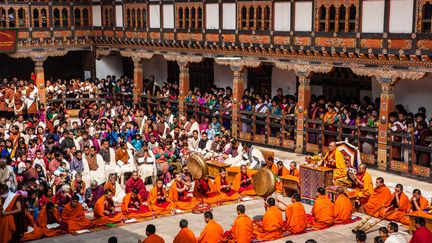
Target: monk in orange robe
{"type": "Point", "coordinates": [73, 215]}
{"type": "Point", "coordinates": [132, 206]}
{"type": "Point", "coordinates": [363, 184]}
{"type": "Point", "coordinates": [185, 235]}
{"type": "Point", "coordinates": [295, 214]}
{"type": "Point", "coordinates": [178, 194]}
{"type": "Point", "coordinates": [104, 210]}
{"type": "Point", "coordinates": [334, 159]}
{"type": "Point", "coordinates": [48, 215]}
{"type": "Point", "coordinates": [281, 171]}
{"type": "Point", "coordinates": [417, 207]}
{"type": "Point", "coordinates": [398, 206]}
{"type": "Point", "coordinates": [204, 191]}
{"type": "Point", "coordinates": [242, 229]}
{"type": "Point", "coordinates": [152, 237]}
{"type": "Point", "coordinates": [380, 197]}
{"type": "Point", "coordinates": [243, 182]}
{"type": "Point", "coordinates": [271, 227]}
{"type": "Point", "coordinates": [224, 187]}
{"type": "Point", "coordinates": [322, 211]}
{"type": "Point", "coordinates": [12, 221]}
{"type": "Point", "coordinates": [343, 208]}
{"type": "Point", "coordinates": [212, 232]}
{"type": "Point", "coordinates": [158, 201]}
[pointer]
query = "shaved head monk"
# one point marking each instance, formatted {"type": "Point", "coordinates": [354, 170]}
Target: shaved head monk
{"type": "Point", "coordinates": [132, 206]}
{"type": "Point", "coordinates": [272, 223]}
{"type": "Point", "coordinates": [363, 184]}
{"type": "Point", "coordinates": [185, 235]}
{"type": "Point", "coordinates": [212, 232]}
{"type": "Point", "coordinates": [224, 187]}
{"type": "Point", "coordinates": [242, 229]}
{"type": "Point", "coordinates": [178, 194]}
{"type": "Point", "coordinates": [379, 198]}
{"type": "Point", "coordinates": [243, 182]}
{"type": "Point", "coordinates": [397, 207]}
{"type": "Point", "coordinates": [417, 205]}
{"type": "Point", "coordinates": [73, 215]}
{"type": "Point", "coordinates": [280, 172]}
{"type": "Point", "coordinates": [152, 237]}
{"type": "Point", "coordinates": [295, 214]}
{"type": "Point", "coordinates": [158, 200]}
{"type": "Point", "coordinates": [204, 191]}
{"type": "Point", "coordinates": [104, 210]}
{"type": "Point", "coordinates": [49, 215]}
{"type": "Point", "coordinates": [343, 208]}
{"type": "Point", "coordinates": [12, 216]}
{"type": "Point", "coordinates": [322, 211]}
{"type": "Point", "coordinates": [334, 159]}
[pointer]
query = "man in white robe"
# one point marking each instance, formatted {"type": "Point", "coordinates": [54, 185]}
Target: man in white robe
{"type": "Point", "coordinates": [106, 156]}
{"type": "Point", "coordinates": [145, 162]}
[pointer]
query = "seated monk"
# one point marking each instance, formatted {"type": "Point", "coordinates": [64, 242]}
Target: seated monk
{"type": "Point", "coordinates": [380, 197]}
{"type": "Point", "coordinates": [270, 165]}
{"type": "Point", "coordinates": [242, 229]}
{"type": "Point", "coordinates": [224, 187]}
{"type": "Point", "coordinates": [158, 201]}
{"type": "Point", "coordinates": [271, 226]}
{"type": "Point", "coordinates": [334, 159]}
{"type": "Point", "coordinates": [243, 182]}
{"type": "Point", "coordinates": [152, 237]}
{"type": "Point", "coordinates": [363, 184]}
{"type": "Point", "coordinates": [104, 210]}
{"type": "Point", "coordinates": [135, 182]}
{"type": "Point", "coordinates": [178, 194]}
{"type": "Point", "coordinates": [322, 211]}
{"type": "Point", "coordinates": [73, 215]}
{"type": "Point", "coordinates": [343, 208]}
{"type": "Point", "coordinates": [48, 224]}
{"type": "Point", "coordinates": [295, 214]}
{"type": "Point", "coordinates": [280, 172]}
{"type": "Point", "coordinates": [12, 214]}
{"type": "Point", "coordinates": [397, 207]}
{"type": "Point", "coordinates": [204, 190]}
{"type": "Point", "coordinates": [185, 235]}
{"type": "Point", "coordinates": [132, 206]}
{"type": "Point", "coordinates": [212, 232]}
{"type": "Point", "coordinates": [293, 171]}
{"type": "Point", "coordinates": [417, 207]}
{"type": "Point", "coordinates": [112, 185]}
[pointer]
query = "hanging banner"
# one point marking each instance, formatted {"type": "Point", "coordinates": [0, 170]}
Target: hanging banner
{"type": "Point", "coordinates": [8, 40]}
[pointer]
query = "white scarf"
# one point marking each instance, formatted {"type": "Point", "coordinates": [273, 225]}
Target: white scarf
{"type": "Point", "coordinates": [9, 198]}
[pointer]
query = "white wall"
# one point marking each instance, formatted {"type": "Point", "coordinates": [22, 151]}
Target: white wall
{"type": "Point", "coordinates": [96, 13]}
{"type": "Point", "coordinates": [282, 16]}
{"type": "Point", "coordinates": [373, 16]}
{"type": "Point", "coordinates": [229, 16]}
{"type": "Point", "coordinates": [283, 79]}
{"type": "Point", "coordinates": [303, 16]}
{"type": "Point", "coordinates": [109, 65]}
{"type": "Point", "coordinates": [156, 66]}
{"type": "Point", "coordinates": [412, 94]}
{"type": "Point", "coordinates": [401, 16]}
{"type": "Point", "coordinates": [212, 16]}
{"type": "Point", "coordinates": [155, 16]}
{"type": "Point", "coordinates": [223, 76]}
{"type": "Point", "coordinates": [168, 16]}
{"type": "Point", "coordinates": [119, 15]}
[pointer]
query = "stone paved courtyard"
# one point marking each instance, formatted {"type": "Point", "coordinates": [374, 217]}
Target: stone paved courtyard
{"type": "Point", "coordinates": [168, 227]}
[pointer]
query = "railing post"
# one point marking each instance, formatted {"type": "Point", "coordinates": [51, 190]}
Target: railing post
{"type": "Point", "coordinates": [304, 94]}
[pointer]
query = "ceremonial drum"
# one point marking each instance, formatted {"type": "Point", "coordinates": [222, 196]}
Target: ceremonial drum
{"type": "Point", "coordinates": [264, 182]}
{"type": "Point", "coordinates": [197, 166]}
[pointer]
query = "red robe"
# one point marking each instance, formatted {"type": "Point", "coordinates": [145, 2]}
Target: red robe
{"type": "Point", "coordinates": [139, 185]}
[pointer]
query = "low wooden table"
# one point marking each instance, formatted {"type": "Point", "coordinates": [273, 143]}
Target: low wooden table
{"type": "Point", "coordinates": [214, 166]}
{"type": "Point", "coordinates": [290, 183]}
{"type": "Point", "coordinates": [427, 217]}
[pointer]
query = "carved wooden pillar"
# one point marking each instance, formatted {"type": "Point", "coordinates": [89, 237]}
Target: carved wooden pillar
{"type": "Point", "coordinates": [304, 96]}
{"type": "Point", "coordinates": [40, 78]}
{"type": "Point", "coordinates": [183, 85]}
{"type": "Point", "coordinates": [240, 77]}
{"type": "Point", "coordinates": [386, 106]}
{"type": "Point", "coordinates": [138, 79]}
